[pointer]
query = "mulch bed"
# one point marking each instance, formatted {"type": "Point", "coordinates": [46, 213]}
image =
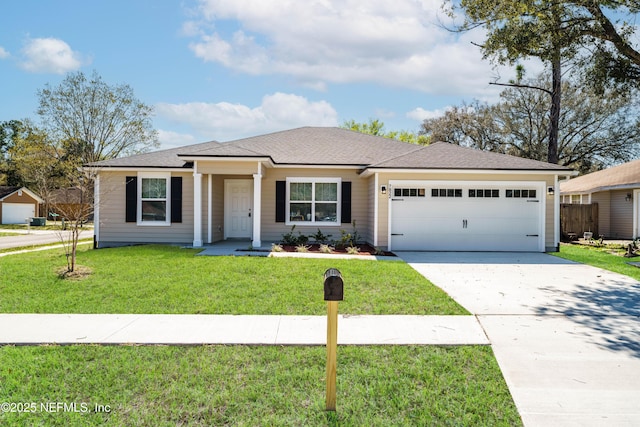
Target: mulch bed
{"type": "Point", "coordinates": [315, 248]}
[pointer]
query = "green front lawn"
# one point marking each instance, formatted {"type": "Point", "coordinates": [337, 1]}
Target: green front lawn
{"type": "Point", "coordinates": [600, 257]}
{"type": "Point", "coordinates": [168, 279]}
{"type": "Point", "coordinates": [236, 385]}
{"type": "Point", "coordinates": [254, 386]}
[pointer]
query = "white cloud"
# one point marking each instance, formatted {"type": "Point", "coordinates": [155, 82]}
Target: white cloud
{"type": "Point", "coordinates": [421, 114]}
{"type": "Point", "coordinates": [223, 121]}
{"type": "Point", "coordinates": [396, 43]}
{"type": "Point", "coordinates": [170, 139]}
{"type": "Point", "coordinates": [50, 55]}
{"type": "Point", "coordinates": [3, 53]}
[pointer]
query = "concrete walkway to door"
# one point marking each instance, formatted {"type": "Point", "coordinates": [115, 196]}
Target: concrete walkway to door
{"type": "Point", "coordinates": [566, 335]}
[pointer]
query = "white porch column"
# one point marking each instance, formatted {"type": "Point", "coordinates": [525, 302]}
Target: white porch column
{"type": "Point", "coordinates": [197, 209]}
{"type": "Point", "coordinates": [96, 211]}
{"type": "Point", "coordinates": [209, 208]}
{"type": "Point", "coordinates": [257, 209]}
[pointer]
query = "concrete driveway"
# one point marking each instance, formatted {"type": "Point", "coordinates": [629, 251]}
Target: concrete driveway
{"type": "Point", "coordinates": [566, 335]}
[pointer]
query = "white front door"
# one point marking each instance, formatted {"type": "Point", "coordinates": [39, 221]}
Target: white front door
{"type": "Point", "coordinates": [238, 218]}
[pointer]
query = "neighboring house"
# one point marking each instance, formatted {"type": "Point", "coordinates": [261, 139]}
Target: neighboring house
{"type": "Point", "coordinates": [68, 200]}
{"type": "Point", "coordinates": [17, 204]}
{"type": "Point", "coordinates": [616, 190]}
{"type": "Point", "coordinates": [400, 196]}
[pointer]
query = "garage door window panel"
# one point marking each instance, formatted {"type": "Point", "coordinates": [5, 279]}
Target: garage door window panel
{"type": "Point", "coordinates": [489, 193]}
{"type": "Point", "coordinates": [446, 192]}
{"type": "Point", "coordinates": [409, 192]}
{"type": "Point", "coordinates": [521, 193]}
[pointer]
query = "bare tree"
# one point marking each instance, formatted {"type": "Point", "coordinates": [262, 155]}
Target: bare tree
{"type": "Point", "coordinates": [594, 130]}
{"type": "Point", "coordinates": [95, 121]}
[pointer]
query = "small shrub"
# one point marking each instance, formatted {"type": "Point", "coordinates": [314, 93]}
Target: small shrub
{"type": "Point", "coordinates": [276, 248]}
{"type": "Point", "coordinates": [320, 237]}
{"type": "Point", "coordinates": [326, 249]}
{"type": "Point", "coordinates": [353, 250]}
{"type": "Point", "coordinates": [302, 248]}
{"type": "Point", "coordinates": [291, 239]}
{"type": "Point", "coordinates": [349, 239]}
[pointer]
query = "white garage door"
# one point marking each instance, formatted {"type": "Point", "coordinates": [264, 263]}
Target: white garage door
{"type": "Point", "coordinates": [465, 216]}
{"type": "Point", "coordinates": [15, 213]}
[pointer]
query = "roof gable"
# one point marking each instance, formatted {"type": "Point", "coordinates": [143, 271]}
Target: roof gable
{"type": "Point", "coordinates": [621, 176]}
{"type": "Point", "coordinates": [6, 191]}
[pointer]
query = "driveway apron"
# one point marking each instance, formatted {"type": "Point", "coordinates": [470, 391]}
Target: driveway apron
{"type": "Point", "coordinates": [566, 335]}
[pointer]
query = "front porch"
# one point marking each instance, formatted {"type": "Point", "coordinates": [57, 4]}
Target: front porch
{"type": "Point", "coordinates": [227, 202]}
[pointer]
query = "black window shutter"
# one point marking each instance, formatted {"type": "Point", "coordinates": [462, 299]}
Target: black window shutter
{"type": "Point", "coordinates": [346, 203]}
{"type": "Point", "coordinates": [176, 199]}
{"type": "Point", "coordinates": [281, 200]}
{"type": "Point", "coordinates": [131, 199]}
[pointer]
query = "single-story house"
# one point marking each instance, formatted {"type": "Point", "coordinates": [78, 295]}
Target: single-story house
{"type": "Point", "coordinates": [400, 196]}
{"type": "Point", "coordinates": [17, 204]}
{"type": "Point", "coordinates": [616, 190]}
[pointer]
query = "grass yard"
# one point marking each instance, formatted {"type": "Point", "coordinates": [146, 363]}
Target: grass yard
{"type": "Point", "coordinates": [600, 257]}
{"type": "Point", "coordinates": [167, 279]}
{"type": "Point", "coordinates": [252, 386]}
{"type": "Point", "coordinates": [8, 233]}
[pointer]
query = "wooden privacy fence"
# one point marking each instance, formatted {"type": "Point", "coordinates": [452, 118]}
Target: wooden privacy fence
{"type": "Point", "coordinates": [577, 219]}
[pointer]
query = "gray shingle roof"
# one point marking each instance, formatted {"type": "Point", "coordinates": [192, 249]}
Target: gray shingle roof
{"type": "Point", "coordinates": [622, 176]}
{"type": "Point", "coordinates": [337, 147]}
{"type": "Point", "coordinates": [442, 155]}
{"type": "Point", "coordinates": [314, 146]}
{"type": "Point", "coordinates": [156, 159]}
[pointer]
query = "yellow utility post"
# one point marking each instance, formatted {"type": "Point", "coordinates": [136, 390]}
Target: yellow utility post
{"type": "Point", "coordinates": [333, 292]}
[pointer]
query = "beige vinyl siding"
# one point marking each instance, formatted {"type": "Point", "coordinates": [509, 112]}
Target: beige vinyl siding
{"type": "Point", "coordinates": [383, 202]}
{"type": "Point", "coordinates": [603, 199]}
{"type": "Point", "coordinates": [113, 229]}
{"type": "Point", "coordinates": [228, 168]}
{"type": "Point", "coordinates": [621, 215]}
{"type": "Point", "coordinates": [272, 231]}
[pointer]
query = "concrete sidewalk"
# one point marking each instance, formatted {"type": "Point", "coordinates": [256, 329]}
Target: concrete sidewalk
{"type": "Point", "coordinates": [170, 329]}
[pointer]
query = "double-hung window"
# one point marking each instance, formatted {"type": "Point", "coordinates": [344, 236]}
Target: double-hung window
{"type": "Point", "coordinates": [313, 201]}
{"type": "Point", "coordinates": [154, 199]}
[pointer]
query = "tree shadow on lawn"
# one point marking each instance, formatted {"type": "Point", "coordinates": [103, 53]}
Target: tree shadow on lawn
{"type": "Point", "coordinates": [609, 308]}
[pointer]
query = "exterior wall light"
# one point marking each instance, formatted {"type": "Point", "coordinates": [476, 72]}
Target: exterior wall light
{"type": "Point", "coordinates": [551, 191]}
{"type": "Point", "coordinates": [383, 189]}
{"type": "Point", "coordinates": [628, 197]}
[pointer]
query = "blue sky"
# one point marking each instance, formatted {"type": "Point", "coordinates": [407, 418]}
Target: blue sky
{"type": "Point", "coordinates": [227, 69]}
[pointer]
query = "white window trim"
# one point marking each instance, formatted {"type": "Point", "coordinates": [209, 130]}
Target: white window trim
{"type": "Point", "coordinates": [313, 222]}
{"type": "Point", "coordinates": [160, 175]}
